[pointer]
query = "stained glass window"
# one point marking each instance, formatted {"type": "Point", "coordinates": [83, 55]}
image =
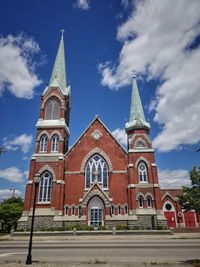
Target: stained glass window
{"type": "Point", "coordinates": [96, 171]}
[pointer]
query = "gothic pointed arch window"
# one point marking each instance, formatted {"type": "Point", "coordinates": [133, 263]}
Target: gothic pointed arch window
{"type": "Point", "coordinates": [52, 111]}
{"type": "Point", "coordinates": [142, 172]}
{"type": "Point", "coordinates": [149, 202]}
{"type": "Point", "coordinates": [96, 171]}
{"type": "Point", "coordinates": [140, 202]}
{"type": "Point", "coordinates": [55, 143]}
{"type": "Point", "coordinates": [45, 187]}
{"type": "Point", "coordinates": [43, 143]}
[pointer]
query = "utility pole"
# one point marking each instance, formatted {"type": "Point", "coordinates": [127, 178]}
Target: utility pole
{"type": "Point", "coordinates": [13, 191]}
{"type": "Point", "coordinates": [3, 150]}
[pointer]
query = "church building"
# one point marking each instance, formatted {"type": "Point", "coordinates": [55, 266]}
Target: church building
{"type": "Point", "coordinates": [96, 182]}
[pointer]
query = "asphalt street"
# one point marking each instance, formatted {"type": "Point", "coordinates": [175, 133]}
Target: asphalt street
{"type": "Point", "coordinates": [119, 252]}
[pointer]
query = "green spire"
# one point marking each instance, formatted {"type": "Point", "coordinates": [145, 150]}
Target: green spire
{"type": "Point", "coordinates": [137, 118]}
{"type": "Point", "coordinates": [58, 76]}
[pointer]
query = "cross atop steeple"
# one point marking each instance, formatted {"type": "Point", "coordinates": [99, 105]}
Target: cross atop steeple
{"type": "Point", "coordinates": [58, 75]}
{"type": "Point", "coordinates": [133, 73]}
{"type": "Point", "coordinates": [62, 33]}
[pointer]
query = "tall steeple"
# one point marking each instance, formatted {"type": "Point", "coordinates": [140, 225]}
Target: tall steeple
{"type": "Point", "coordinates": [137, 118]}
{"type": "Point", "coordinates": [58, 76]}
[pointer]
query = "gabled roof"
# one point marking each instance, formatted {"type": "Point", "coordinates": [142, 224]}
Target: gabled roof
{"type": "Point", "coordinates": [100, 121]}
{"type": "Point", "coordinates": [96, 190]}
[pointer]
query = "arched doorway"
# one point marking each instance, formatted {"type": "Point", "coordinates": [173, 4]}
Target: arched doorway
{"type": "Point", "coordinates": [169, 212]}
{"type": "Point", "coordinates": [96, 212]}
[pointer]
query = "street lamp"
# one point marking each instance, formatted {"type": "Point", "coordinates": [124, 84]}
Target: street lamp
{"type": "Point", "coordinates": [36, 180]}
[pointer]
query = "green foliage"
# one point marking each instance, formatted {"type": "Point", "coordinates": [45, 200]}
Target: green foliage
{"type": "Point", "coordinates": [78, 227]}
{"type": "Point", "coordinates": [159, 227]}
{"type": "Point", "coordinates": [122, 227]}
{"type": "Point", "coordinates": [190, 197]}
{"type": "Point", "coordinates": [10, 211]}
{"type": "Point", "coordinates": [102, 228]}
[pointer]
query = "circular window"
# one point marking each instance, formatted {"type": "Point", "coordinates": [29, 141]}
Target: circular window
{"type": "Point", "coordinates": [168, 206]}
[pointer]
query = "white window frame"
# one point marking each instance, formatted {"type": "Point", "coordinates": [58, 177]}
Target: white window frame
{"type": "Point", "coordinates": [141, 201]}
{"type": "Point", "coordinates": [149, 198]}
{"type": "Point", "coordinates": [43, 143]}
{"type": "Point", "coordinates": [50, 112]}
{"type": "Point", "coordinates": [55, 143]}
{"type": "Point", "coordinates": [142, 174]}
{"type": "Point", "coordinates": [45, 188]}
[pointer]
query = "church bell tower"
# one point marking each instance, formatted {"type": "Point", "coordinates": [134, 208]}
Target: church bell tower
{"type": "Point", "coordinates": [52, 137]}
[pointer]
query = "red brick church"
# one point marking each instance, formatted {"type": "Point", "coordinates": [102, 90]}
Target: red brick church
{"type": "Point", "coordinates": [96, 182]}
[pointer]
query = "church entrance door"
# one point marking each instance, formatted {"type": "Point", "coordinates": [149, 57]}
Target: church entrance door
{"type": "Point", "coordinates": [96, 217]}
{"type": "Point", "coordinates": [96, 212]}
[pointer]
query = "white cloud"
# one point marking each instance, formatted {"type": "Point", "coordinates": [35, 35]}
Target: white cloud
{"type": "Point", "coordinates": [173, 178]}
{"type": "Point", "coordinates": [22, 142]}
{"type": "Point", "coordinates": [12, 174]}
{"type": "Point", "coordinates": [126, 3]}
{"type": "Point", "coordinates": [156, 45]}
{"type": "Point", "coordinates": [82, 4]}
{"type": "Point", "coordinates": [18, 66]}
{"type": "Point", "coordinates": [7, 193]}
{"type": "Point", "coordinates": [121, 136]}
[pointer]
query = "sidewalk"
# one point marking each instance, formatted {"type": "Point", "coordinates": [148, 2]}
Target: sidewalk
{"type": "Point", "coordinates": [102, 237]}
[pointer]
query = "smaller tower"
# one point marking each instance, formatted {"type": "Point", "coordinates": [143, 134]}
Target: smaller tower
{"type": "Point", "coordinates": [143, 188]}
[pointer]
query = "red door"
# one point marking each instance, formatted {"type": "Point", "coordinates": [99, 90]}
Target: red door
{"type": "Point", "coordinates": [189, 218]}
{"type": "Point", "coordinates": [171, 219]}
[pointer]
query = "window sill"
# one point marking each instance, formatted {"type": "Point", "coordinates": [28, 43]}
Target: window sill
{"type": "Point", "coordinates": [46, 202]}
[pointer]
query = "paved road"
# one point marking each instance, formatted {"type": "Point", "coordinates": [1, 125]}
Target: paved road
{"type": "Point", "coordinates": [115, 251]}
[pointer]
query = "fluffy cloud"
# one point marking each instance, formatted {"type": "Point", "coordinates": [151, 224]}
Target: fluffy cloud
{"type": "Point", "coordinates": [126, 3]}
{"type": "Point", "coordinates": [18, 66]}
{"type": "Point", "coordinates": [7, 193]}
{"type": "Point", "coordinates": [82, 4]}
{"type": "Point", "coordinates": [157, 45]}
{"type": "Point", "coordinates": [173, 178]}
{"type": "Point", "coordinates": [12, 174]}
{"type": "Point", "coordinates": [22, 142]}
{"type": "Point", "coordinates": [121, 136]}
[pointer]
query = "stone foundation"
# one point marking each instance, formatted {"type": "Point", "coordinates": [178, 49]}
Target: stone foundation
{"type": "Point", "coordinates": [148, 222]}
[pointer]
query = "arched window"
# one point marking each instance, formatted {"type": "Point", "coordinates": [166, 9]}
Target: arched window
{"type": "Point", "coordinates": [52, 110]}
{"type": "Point", "coordinates": [142, 172]}
{"type": "Point", "coordinates": [96, 171]}
{"type": "Point", "coordinates": [43, 143]}
{"type": "Point", "coordinates": [126, 209]}
{"type": "Point", "coordinates": [55, 143]}
{"type": "Point", "coordinates": [140, 202]}
{"type": "Point", "coordinates": [45, 187]}
{"type": "Point", "coordinates": [149, 202]}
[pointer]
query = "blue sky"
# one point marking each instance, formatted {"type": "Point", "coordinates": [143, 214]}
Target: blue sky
{"type": "Point", "coordinates": [104, 42]}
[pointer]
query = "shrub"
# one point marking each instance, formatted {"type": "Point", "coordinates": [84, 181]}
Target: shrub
{"type": "Point", "coordinates": [122, 227]}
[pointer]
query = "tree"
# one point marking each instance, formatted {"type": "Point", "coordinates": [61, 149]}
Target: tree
{"type": "Point", "coordinates": [190, 197]}
{"type": "Point", "coordinates": [10, 211]}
